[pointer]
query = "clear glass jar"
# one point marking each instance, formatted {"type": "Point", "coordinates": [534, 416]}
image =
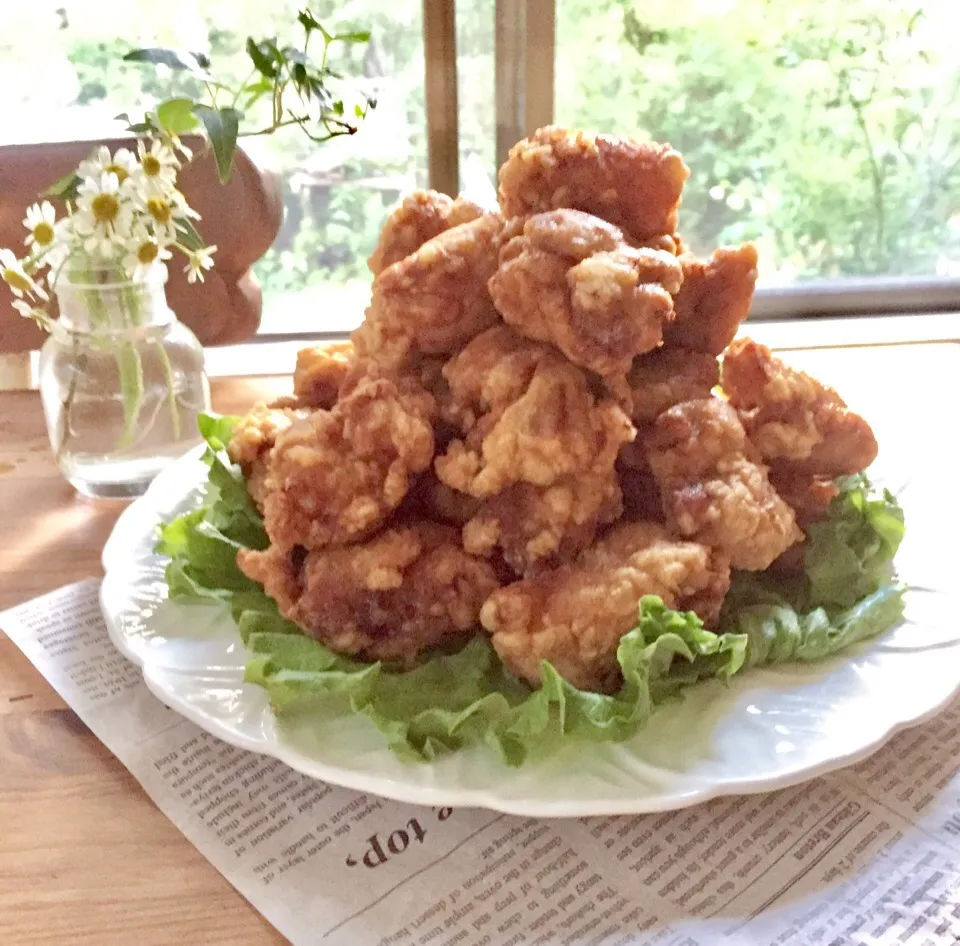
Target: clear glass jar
{"type": "Point", "coordinates": [121, 380]}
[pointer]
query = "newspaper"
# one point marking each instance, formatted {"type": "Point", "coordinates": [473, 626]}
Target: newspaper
{"type": "Point", "coordinates": [868, 855]}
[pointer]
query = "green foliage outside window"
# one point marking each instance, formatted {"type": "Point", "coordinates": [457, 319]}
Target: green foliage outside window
{"type": "Point", "coordinates": [829, 133]}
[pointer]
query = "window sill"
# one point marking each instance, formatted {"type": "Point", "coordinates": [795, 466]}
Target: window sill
{"type": "Point", "coordinates": [266, 356]}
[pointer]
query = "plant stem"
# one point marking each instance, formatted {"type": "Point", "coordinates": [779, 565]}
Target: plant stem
{"type": "Point", "coordinates": [239, 92]}
{"type": "Point", "coordinates": [66, 403]}
{"type": "Point", "coordinates": [130, 367]}
{"type": "Point", "coordinates": [172, 397]}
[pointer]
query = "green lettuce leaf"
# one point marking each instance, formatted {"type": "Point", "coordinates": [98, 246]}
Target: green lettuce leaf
{"type": "Point", "coordinates": [849, 554]}
{"type": "Point", "coordinates": [202, 544]}
{"type": "Point", "coordinates": [847, 593]}
{"type": "Point", "coordinates": [454, 700]}
{"type": "Point", "coordinates": [776, 632]}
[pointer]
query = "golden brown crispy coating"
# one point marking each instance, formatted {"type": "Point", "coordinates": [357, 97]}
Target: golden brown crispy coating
{"type": "Point", "coordinates": [253, 439]}
{"type": "Point", "coordinates": [713, 489]}
{"type": "Point", "coordinates": [575, 615]}
{"type": "Point", "coordinates": [320, 373]}
{"type": "Point", "coordinates": [434, 501]}
{"type": "Point", "coordinates": [635, 186]}
{"type": "Point", "coordinates": [423, 215]}
{"type": "Point", "coordinates": [389, 598]}
{"type": "Point", "coordinates": [808, 496]}
{"type": "Point", "coordinates": [793, 419]}
{"type": "Point", "coordinates": [434, 300]}
{"type": "Point", "coordinates": [571, 280]}
{"type": "Point", "coordinates": [529, 417]}
{"type": "Point", "coordinates": [714, 299]}
{"type": "Point", "coordinates": [669, 376]}
{"type": "Point", "coordinates": [535, 527]}
{"type": "Point", "coordinates": [336, 475]}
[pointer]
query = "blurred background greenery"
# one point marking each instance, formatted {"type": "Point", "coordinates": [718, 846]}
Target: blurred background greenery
{"type": "Point", "coordinates": [829, 133]}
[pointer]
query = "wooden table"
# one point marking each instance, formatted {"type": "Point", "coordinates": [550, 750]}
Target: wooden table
{"type": "Point", "coordinates": [85, 857]}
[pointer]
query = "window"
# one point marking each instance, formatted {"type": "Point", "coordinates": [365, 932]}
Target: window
{"type": "Point", "coordinates": [828, 133]}
{"type": "Point", "coordinates": [335, 195]}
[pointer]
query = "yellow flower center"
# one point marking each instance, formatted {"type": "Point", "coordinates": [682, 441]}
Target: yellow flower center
{"type": "Point", "coordinates": [151, 165]}
{"type": "Point", "coordinates": [16, 280]}
{"type": "Point", "coordinates": [119, 171]}
{"type": "Point", "coordinates": [43, 233]}
{"type": "Point", "coordinates": [159, 209]}
{"type": "Point", "coordinates": [105, 208]}
{"type": "Point", "coordinates": [147, 253]}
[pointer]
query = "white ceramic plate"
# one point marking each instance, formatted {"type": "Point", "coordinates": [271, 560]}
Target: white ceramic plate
{"type": "Point", "coordinates": [768, 729]}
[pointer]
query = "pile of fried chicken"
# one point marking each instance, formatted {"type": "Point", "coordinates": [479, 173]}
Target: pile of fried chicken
{"type": "Point", "coordinates": [543, 417]}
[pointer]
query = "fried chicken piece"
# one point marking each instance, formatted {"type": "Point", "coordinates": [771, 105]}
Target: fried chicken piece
{"type": "Point", "coordinates": [252, 442]}
{"type": "Point", "coordinates": [279, 570]}
{"type": "Point", "coordinates": [658, 380]}
{"type": "Point", "coordinates": [434, 300]}
{"type": "Point", "coordinates": [634, 185]}
{"type": "Point", "coordinates": [433, 500]}
{"type": "Point", "coordinates": [320, 373]}
{"type": "Point", "coordinates": [395, 595]}
{"type": "Point", "coordinates": [714, 489]}
{"type": "Point", "coordinates": [714, 299]}
{"type": "Point", "coordinates": [793, 419]}
{"type": "Point", "coordinates": [534, 527]}
{"type": "Point", "coordinates": [669, 376]}
{"type": "Point", "coordinates": [336, 475]}
{"type": "Point", "coordinates": [576, 615]}
{"type": "Point", "coordinates": [641, 494]}
{"type": "Point", "coordinates": [529, 416]}
{"type": "Point", "coordinates": [423, 215]}
{"type": "Point", "coordinates": [570, 279]}
{"type": "Point", "coordinates": [808, 496]}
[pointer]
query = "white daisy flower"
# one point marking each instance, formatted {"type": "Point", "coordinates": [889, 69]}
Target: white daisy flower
{"type": "Point", "coordinates": [41, 224]}
{"type": "Point", "coordinates": [158, 167]}
{"type": "Point", "coordinates": [163, 211]}
{"type": "Point", "coordinates": [103, 215]}
{"type": "Point", "coordinates": [123, 163]}
{"type": "Point", "coordinates": [145, 254]}
{"type": "Point", "coordinates": [13, 274]}
{"type": "Point", "coordinates": [198, 261]}
{"type": "Point", "coordinates": [34, 313]}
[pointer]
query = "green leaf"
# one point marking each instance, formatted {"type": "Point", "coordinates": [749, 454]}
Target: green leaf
{"type": "Point", "coordinates": [255, 91]}
{"type": "Point", "coordinates": [187, 235]}
{"type": "Point", "coordinates": [357, 36]}
{"type": "Point", "coordinates": [776, 632]}
{"type": "Point", "coordinates": [222, 126]}
{"type": "Point", "coordinates": [173, 58]}
{"type": "Point", "coordinates": [67, 188]}
{"type": "Point", "coordinates": [175, 116]}
{"type": "Point", "coordinates": [308, 21]}
{"type": "Point", "coordinates": [265, 57]}
{"type": "Point", "coordinates": [849, 553]}
{"type": "Point", "coordinates": [459, 699]}
{"type": "Point", "coordinates": [450, 701]}
{"type": "Point", "coordinates": [217, 429]}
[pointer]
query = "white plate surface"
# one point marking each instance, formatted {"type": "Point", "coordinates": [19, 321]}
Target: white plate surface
{"type": "Point", "coordinates": [768, 729]}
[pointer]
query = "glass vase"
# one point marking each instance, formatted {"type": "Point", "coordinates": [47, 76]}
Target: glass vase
{"type": "Point", "coordinates": [121, 380]}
